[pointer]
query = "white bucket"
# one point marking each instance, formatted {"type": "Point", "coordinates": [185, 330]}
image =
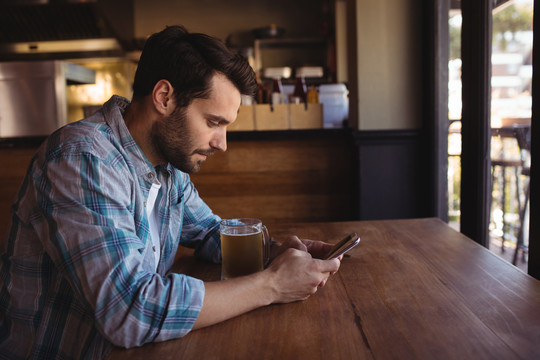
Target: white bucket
{"type": "Point", "coordinates": [335, 100]}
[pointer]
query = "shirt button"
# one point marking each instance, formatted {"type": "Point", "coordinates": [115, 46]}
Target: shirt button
{"type": "Point", "coordinates": [150, 175]}
{"type": "Point", "coordinates": [154, 248]}
{"type": "Point", "coordinates": [145, 204]}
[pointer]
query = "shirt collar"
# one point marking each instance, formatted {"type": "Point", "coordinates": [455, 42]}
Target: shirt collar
{"type": "Point", "coordinates": [113, 111]}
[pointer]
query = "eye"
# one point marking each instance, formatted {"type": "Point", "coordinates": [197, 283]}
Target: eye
{"type": "Point", "coordinates": [212, 123]}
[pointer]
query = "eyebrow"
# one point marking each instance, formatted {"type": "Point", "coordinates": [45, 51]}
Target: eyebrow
{"type": "Point", "coordinates": [218, 118]}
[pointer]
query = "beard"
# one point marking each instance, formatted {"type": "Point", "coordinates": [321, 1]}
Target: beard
{"type": "Point", "coordinates": [172, 142]}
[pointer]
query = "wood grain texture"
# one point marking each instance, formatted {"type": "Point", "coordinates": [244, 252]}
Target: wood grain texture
{"type": "Point", "coordinates": [412, 289]}
{"type": "Point", "coordinates": [274, 180]}
{"type": "Point", "coordinates": [14, 163]}
{"type": "Point", "coordinates": [280, 180]}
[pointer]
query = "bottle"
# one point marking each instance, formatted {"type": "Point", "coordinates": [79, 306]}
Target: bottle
{"type": "Point", "coordinates": [259, 96]}
{"type": "Point", "coordinates": [299, 94]}
{"type": "Point", "coordinates": [277, 91]}
{"type": "Point", "coordinates": [312, 95]}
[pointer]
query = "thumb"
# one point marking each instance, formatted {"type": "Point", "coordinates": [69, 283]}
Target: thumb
{"type": "Point", "coordinates": [329, 266]}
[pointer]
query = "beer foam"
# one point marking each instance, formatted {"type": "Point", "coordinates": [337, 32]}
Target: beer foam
{"type": "Point", "coordinates": [240, 231]}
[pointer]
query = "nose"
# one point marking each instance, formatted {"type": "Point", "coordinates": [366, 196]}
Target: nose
{"type": "Point", "coordinates": [219, 139]}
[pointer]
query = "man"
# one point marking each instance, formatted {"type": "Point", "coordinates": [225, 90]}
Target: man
{"type": "Point", "coordinates": [106, 202]}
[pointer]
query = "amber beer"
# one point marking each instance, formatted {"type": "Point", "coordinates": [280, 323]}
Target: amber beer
{"type": "Point", "coordinates": [242, 247]}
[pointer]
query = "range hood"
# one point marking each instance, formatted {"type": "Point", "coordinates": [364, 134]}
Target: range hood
{"type": "Point", "coordinates": [62, 29]}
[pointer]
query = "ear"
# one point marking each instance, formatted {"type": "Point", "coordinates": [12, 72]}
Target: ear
{"type": "Point", "coordinates": [162, 97]}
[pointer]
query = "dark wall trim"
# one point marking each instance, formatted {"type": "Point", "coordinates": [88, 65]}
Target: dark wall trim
{"type": "Point", "coordinates": [386, 136]}
{"type": "Point", "coordinates": [22, 142]}
{"type": "Point", "coordinates": [288, 134]}
{"type": "Point", "coordinates": [391, 175]}
{"type": "Point", "coordinates": [35, 141]}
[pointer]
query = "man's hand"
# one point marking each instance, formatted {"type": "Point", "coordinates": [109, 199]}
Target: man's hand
{"type": "Point", "coordinates": [295, 275]}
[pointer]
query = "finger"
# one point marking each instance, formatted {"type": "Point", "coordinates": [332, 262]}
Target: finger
{"type": "Point", "coordinates": [325, 279]}
{"type": "Point", "coordinates": [333, 272]}
{"type": "Point", "coordinates": [295, 243]}
{"type": "Point", "coordinates": [339, 259]}
{"type": "Point", "coordinates": [317, 249]}
{"type": "Point", "coordinates": [328, 266]}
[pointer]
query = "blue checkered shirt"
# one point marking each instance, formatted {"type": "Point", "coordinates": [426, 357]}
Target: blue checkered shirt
{"type": "Point", "coordinates": [77, 270]}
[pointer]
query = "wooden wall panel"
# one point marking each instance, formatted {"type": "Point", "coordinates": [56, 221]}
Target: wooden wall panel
{"type": "Point", "coordinates": [13, 165]}
{"type": "Point", "coordinates": [281, 180]}
{"type": "Point", "coordinates": [292, 179]}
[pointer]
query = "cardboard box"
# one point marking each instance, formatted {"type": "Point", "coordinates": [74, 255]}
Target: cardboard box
{"type": "Point", "coordinates": [306, 117]}
{"type": "Point", "coordinates": [269, 117]}
{"type": "Point", "coordinates": [245, 121]}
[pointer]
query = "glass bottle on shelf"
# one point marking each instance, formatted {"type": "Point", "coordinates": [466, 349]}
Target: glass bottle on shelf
{"type": "Point", "coordinates": [312, 95]}
{"type": "Point", "coordinates": [277, 91]}
{"type": "Point", "coordinates": [299, 94]}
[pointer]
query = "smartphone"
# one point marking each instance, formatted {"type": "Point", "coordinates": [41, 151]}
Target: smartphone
{"type": "Point", "coordinates": [343, 246]}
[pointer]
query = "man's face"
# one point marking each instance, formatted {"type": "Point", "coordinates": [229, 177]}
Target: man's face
{"type": "Point", "coordinates": [189, 135]}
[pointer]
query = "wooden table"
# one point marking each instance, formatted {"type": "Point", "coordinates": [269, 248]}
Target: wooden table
{"type": "Point", "coordinates": [412, 289]}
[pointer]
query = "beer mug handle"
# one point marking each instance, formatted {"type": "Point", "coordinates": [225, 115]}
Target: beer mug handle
{"type": "Point", "coordinates": [267, 243]}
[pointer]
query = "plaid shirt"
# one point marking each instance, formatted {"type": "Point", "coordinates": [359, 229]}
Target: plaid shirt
{"type": "Point", "coordinates": [77, 267]}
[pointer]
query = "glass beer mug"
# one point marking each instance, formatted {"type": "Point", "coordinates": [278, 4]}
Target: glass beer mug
{"type": "Point", "coordinates": [245, 247]}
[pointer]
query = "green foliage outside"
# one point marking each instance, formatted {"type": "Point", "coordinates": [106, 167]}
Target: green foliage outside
{"type": "Point", "coordinates": [508, 20]}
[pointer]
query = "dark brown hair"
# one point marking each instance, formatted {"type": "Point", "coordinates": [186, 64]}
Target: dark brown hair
{"type": "Point", "coordinates": [189, 61]}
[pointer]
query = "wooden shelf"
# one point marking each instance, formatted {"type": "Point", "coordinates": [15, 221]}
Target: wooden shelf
{"type": "Point", "coordinates": [320, 44]}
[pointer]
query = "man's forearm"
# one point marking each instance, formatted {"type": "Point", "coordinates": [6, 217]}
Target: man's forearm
{"type": "Point", "coordinates": [226, 299]}
{"type": "Point", "coordinates": [292, 276]}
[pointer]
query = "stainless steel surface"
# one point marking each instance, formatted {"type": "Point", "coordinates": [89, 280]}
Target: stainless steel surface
{"type": "Point", "coordinates": [33, 97]}
{"type": "Point", "coordinates": [76, 74]}
{"type": "Point", "coordinates": [61, 46]}
{"type": "Point", "coordinates": [65, 29]}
